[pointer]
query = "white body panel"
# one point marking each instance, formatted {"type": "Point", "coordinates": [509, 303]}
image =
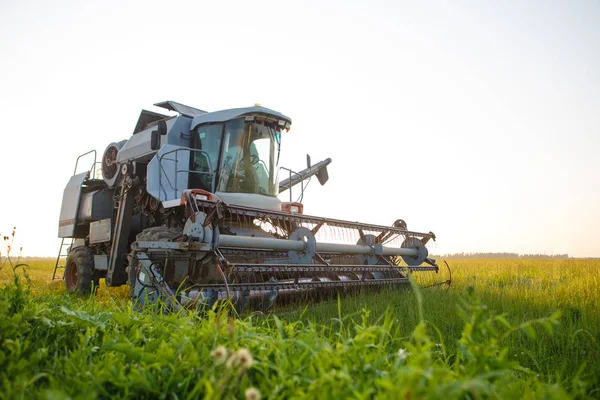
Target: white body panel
{"type": "Point", "coordinates": [137, 147]}
{"type": "Point", "coordinates": [70, 205]}
{"type": "Point", "coordinates": [251, 200]}
{"type": "Point", "coordinates": [167, 174]}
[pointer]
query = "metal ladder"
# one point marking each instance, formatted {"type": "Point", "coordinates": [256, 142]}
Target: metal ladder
{"type": "Point", "coordinates": [68, 242]}
{"type": "Point", "coordinates": [64, 243]}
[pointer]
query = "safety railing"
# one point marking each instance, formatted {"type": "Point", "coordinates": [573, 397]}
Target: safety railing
{"type": "Point", "coordinates": [292, 172]}
{"type": "Point", "coordinates": [162, 189]}
{"type": "Point", "coordinates": [92, 169]}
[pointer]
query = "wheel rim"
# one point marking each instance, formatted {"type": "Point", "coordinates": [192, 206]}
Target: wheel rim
{"type": "Point", "coordinates": [72, 275]}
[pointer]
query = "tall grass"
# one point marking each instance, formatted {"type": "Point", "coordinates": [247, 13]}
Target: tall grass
{"type": "Point", "coordinates": [506, 329]}
{"type": "Point", "coordinates": [521, 289]}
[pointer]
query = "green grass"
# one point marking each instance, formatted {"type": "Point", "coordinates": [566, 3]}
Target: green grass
{"type": "Point", "coordinates": [494, 334]}
{"type": "Point", "coordinates": [524, 290]}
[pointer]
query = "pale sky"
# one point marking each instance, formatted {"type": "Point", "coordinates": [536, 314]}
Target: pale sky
{"type": "Point", "coordinates": [479, 121]}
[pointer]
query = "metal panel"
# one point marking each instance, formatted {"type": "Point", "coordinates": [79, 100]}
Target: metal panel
{"type": "Point", "coordinates": [85, 207]}
{"type": "Point", "coordinates": [138, 146]}
{"type": "Point", "coordinates": [179, 131]}
{"type": "Point", "coordinates": [226, 115]}
{"type": "Point", "coordinates": [70, 205]}
{"type": "Point", "coordinates": [95, 206]}
{"type": "Point", "coordinates": [180, 108]}
{"type": "Point", "coordinates": [146, 118]}
{"type": "Point", "coordinates": [251, 200]}
{"type": "Point", "coordinates": [101, 262]}
{"type": "Point", "coordinates": [167, 175]}
{"type": "Point", "coordinates": [100, 231]}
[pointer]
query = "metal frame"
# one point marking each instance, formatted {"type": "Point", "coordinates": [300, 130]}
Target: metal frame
{"type": "Point", "coordinates": [243, 211]}
{"type": "Point", "coordinates": [178, 171]}
{"type": "Point", "coordinates": [93, 167]}
{"type": "Point", "coordinates": [291, 186]}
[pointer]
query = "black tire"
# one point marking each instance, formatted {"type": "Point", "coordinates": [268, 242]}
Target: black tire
{"type": "Point", "coordinates": [80, 276]}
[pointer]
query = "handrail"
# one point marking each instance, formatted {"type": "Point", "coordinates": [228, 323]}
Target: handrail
{"type": "Point", "coordinates": [93, 168]}
{"type": "Point", "coordinates": [301, 182]}
{"type": "Point", "coordinates": [177, 171]}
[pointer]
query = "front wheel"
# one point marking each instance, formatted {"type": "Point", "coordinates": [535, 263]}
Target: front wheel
{"type": "Point", "coordinates": [80, 276]}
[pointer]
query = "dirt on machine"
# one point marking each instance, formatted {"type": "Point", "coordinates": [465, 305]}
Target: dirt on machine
{"type": "Point", "coordinates": [187, 212]}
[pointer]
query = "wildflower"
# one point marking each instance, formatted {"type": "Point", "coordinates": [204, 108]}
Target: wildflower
{"type": "Point", "coordinates": [402, 354]}
{"type": "Point", "coordinates": [219, 354]}
{"type": "Point", "coordinates": [241, 358]}
{"type": "Point", "coordinates": [245, 358]}
{"type": "Point", "coordinates": [252, 393]}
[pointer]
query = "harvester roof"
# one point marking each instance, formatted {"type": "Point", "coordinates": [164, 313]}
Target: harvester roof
{"type": "Point", "coordinates": [226, 115]}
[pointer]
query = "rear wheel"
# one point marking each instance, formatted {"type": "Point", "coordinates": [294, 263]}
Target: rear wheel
{"type": "Point", "coordinates": [80, 276]}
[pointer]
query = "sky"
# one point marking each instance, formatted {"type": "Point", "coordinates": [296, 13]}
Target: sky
{"type": "Point", "coordinates": [478, 121]}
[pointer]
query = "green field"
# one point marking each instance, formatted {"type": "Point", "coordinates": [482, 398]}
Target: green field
{"type": "Point", "coordinates": [505, 329]}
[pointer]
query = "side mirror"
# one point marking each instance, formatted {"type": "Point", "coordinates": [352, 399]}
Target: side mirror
{"type": "Point", "coordinates": [155, 141]}
{"type": "Point", "coordinates": [162, 127]}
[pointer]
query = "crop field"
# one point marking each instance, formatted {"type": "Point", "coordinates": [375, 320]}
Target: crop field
{"type": "Point", "coordinates": [507, 328]}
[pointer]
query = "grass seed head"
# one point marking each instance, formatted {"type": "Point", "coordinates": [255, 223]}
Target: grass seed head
{"type": "Point", "coordinates": [220, 354]}
{"type": "Point", "coordinates": [252, 393]}
{"type": "Point", "coordinates": [241, 358]}
{"type": "Point", "coordinates": [245, 358]}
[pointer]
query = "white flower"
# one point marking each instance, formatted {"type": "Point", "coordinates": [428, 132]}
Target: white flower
{"type": "Point", "coordinates": [402, 354]}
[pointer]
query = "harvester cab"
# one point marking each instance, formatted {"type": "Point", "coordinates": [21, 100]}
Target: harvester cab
{"type": "Point", "coordinates": [187, 210]}
{"type": "Point", "coordinates": [237, 156]}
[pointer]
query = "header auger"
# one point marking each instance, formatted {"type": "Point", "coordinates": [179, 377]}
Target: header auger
{"type": "Point", "coordinates": [187, 212]}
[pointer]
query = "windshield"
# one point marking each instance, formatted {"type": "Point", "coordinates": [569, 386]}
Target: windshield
{"type": "Point", "coordinates": [250, 159]}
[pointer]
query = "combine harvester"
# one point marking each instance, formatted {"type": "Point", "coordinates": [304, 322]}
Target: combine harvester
{"type": "Point", "coordinates": [187, 211]}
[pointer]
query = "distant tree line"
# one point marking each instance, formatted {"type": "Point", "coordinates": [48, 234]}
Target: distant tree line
{"type": "Point", "coordinates": [502, 255]}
